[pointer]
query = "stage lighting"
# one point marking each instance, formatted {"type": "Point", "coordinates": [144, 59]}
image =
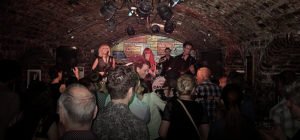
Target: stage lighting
{"type": "Point", "coordinates": [155, 29]}
{"type": "Point", "coordinates": [108, 10]}
{"type": "Point", "coordinates": [169, 27]}
{"type": "Point", "coordinates": [174, 2]}
{"type": "Point", "coordinates": [144, 8]}
{"type": "Point", "coordinates": [130, 30]}
{"type": "Point", "coordinates": [111, 25]}
{"type": "Point", "coordinates": [164, 12]}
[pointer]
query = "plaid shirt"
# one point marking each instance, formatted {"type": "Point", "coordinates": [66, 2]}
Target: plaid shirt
{"type": "Point", "coordinates": [207, 94]}
{"type": "Point", "coordinates": [281, 115]}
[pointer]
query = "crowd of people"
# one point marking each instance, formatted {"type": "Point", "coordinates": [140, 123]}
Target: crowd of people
{"type": "Point", "coordinates": [143, 100]}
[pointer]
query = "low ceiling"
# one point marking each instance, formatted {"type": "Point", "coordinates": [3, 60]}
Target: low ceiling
{"type": "Point", "coordinates": [206, 23]}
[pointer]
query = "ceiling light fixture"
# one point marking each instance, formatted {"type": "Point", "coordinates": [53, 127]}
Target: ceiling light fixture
{"type": "Point", "coordinates": [155, 29]}
{"type": "Point", "coordinates": [144, 10]}
{"type": "Point", "coordinates": [130, 31]}
{"type": "Point", "coordinates": [169, 27]}
{"type": "Point", "coordinates": [108, 10]}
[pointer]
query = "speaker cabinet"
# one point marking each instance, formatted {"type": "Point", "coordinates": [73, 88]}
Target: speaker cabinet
{"type": "Point", "coordinates": [66, 57]}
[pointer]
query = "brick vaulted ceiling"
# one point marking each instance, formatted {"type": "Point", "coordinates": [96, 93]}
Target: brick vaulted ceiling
{"type": "Point", "coordinates": [206, 23]}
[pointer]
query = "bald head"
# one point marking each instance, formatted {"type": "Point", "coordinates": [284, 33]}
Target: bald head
{"type": "Point", "coordinates": [203, 74]}
{"type": "Point", "coordinates": [78, 103]}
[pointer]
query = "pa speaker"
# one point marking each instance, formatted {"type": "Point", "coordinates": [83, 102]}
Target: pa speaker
{"type": "Point", "coordinates": [66, 57]}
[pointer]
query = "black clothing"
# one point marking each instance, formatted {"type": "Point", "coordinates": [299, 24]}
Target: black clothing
{"type": "Point", "coordinates": [180, 65]}
{"type": "Point", "coordinates": [181, 126]}
{"type": "Point", "coordinates": [296, 136]}
{"type": "Point", "coordinates": [165, 62]}
{"type": "Point", "coordinates": [79, 135]}
{"type": "Point", "coordinates": [103, 66]}
{"type": "Point", "coordinates": [244, 129]}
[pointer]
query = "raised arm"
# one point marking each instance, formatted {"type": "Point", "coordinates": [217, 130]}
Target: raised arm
{"type": "Point", "coordinates": [95, 64]}
{"type": "Point", "coordinates": [163, 130]}
{"type": "Point", "coordinates": [203, 130]}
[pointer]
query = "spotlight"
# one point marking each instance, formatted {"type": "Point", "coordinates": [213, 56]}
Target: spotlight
{"type": "Point", "coordinates": [164, 12]}
{"type": "Point", "coordinates": [108, 10]}
{"type": "Point", "coordinates": [169, 27]}
{"type": "Point", "coordinates": [155, 29]}
{"type": "Point", "coordinates": [174, 2]}
{"type": "Point", "coordinates": [144, 8]}
{"type": "Point", "coordinates": [111, 25]}
{"type": "Point", "coordinates": [130, 30]}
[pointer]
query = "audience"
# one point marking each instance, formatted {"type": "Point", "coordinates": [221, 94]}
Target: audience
{"type": "Point", "coordinates": [293, 103]}
{"type": "Point", "coordinates": [9, 100]}
{"type": "Point", "coordinates": [115, 102]}
{"type": "Point", "coordinates": [207, 93]}
{"type": "Point", "coordinates": [285, 125]}
{"type": "Point", "coordinates": [292, 98]}
{"type": "Point", "coordinates": [77, 109]}
{"type": "Point", "coordinates": [231, 124]}
{"type": "Point", "coordinates": [117, 122]}
{"type": "Point", "coordinates": [184, 118]}
{"type": "Point", "coordinates": [156, 105]}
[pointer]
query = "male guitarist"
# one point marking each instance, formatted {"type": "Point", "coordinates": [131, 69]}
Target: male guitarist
{"type": "Point", "coordinates": [184, 63]}
{"type": "Point", "coordinates": [165, 61]}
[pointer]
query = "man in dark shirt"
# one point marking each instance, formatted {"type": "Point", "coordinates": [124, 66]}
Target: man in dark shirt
{"type": "Point", "coordinates": [184, 63]}
{"type": "Point", "coordinates": [117, 122]}
{"type": "Point", "coordinates": [165, 61]}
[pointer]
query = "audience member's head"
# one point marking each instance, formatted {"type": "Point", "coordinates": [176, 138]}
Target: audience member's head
{"type": "Point", "coordinates": [293, 99]}
{"type": "Point", "coordinates": [222, 81]}
{"type": "Point", "coordinates": [287, 77]}
{"type": "Point", "coordinates": [284, 79]}
{"type": "Point", "coordinates": [232, 95]}
{"type": "Point", "coordinates": [203, 74]}
{"type": "Point", "coordinates": [9, 71]}
{"type": "Point", "coordinates": [141, 66]}
{"type": "Point", "coordinates": [77, 108]}
{"type": "Point", "coordinates": [235, 78]}
{"type": "Point", "coordinates": [55, 72]}
{"type": "Point", "coordinates": [121, 82]}
{"type": "Point", "coordinates": [185, 85]}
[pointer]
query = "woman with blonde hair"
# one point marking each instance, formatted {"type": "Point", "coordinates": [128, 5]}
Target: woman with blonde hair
{"type": "Point", "coordinates": [183, 118]}
{"type": "Point", "coordinates": [104, 62]}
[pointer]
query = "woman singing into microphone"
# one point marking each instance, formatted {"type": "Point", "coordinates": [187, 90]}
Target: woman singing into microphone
{"type": "Point", "coordinates": [104, 62]}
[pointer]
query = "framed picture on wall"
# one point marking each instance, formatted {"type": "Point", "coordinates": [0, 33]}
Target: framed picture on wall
{"type": "Point", "coordinates": [33, 75]}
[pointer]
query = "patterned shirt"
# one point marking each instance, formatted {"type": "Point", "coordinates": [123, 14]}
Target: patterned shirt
{"type": "Point", "coordinates": [281, 115]}
{"type": "Point", "coordinates": [79, 135]}
{"type": "Point", "coordinates": [137, 107]}
{"type": "Point", "coordinates": [207, 94]}
{"type": "Point", "coordinates": [118, 123]}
